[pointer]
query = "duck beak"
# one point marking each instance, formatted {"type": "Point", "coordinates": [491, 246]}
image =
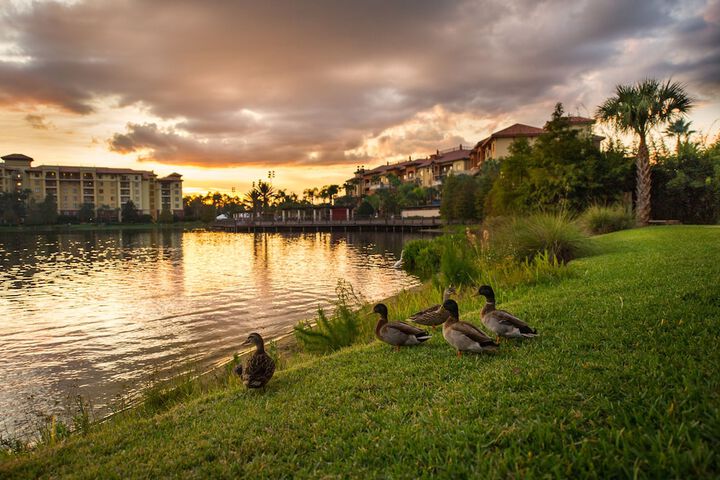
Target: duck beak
{"type": "Point", "coordinates": [246, 342]}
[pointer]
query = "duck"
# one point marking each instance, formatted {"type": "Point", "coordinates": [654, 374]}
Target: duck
{"type": "Point", "coordinates": [435, 315]}
{"type": "Point", "coordinates": [463, 336]}
{"type": "Point", "coordinates": [397, 333]}
{"type": "Point", "coordinates": [259, 367]}
{"type": "Point", "coordinates": [503, 323]}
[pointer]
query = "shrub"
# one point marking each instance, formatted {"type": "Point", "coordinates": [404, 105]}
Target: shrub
{"type": "Point", "coordinates": [458, 261]}
{"type": "Point", "coordinates": [599, 219]}
{"type": "Point", "coordinates": [341, 329]}
{"type": "Point", "coordinates": [422, 257]}
{"type": "Point", "coordinates": [555, 233]}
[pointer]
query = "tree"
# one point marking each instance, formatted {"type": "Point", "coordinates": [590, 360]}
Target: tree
{"type": "Point", "coordinates": [638, 109]}
{"type": "Point", "coordinates": [678, 129]}
{"type": "Point", "coordinates": [166, 216]}
{"type": "Point", "coordinates": [266, 193]}
{"type": "Point", "coordinates": [129, 213]}
{"type": "Point", "coordinates": [13, 207]}
{"type": "Point", "coordinates": [86, 213]}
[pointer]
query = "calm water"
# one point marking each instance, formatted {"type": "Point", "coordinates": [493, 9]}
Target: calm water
{"type": "Point", "coordinates": [104, 314]}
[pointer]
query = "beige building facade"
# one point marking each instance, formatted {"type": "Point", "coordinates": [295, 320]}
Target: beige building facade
{"type": "Point", "coordinates": [105, 188]}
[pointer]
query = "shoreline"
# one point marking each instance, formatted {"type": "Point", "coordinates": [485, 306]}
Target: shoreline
{"type": "Point", "coordinates": [110, 227]}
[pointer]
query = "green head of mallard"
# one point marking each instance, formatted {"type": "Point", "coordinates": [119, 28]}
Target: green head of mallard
{"type": "Point", "coordinates": [487, 292]}
{"type": "Point", "coordinates": [452, 307]}
{"type": "Point", "coordinates": [381, 309]}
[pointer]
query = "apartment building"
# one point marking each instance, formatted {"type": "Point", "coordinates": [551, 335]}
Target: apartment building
{"type": "Point", "coordinates": [426, 172]}
{"type": "Point", "coordinates": [106, 188]}
{"type": "Point", "coordinates": [497, 145]}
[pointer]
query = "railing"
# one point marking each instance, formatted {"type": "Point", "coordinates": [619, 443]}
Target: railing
{"type": "Point", "coordinates": [359, 222]}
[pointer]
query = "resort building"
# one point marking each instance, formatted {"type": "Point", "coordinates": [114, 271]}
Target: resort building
{"type": "Point", "coordinates": [497, 145]}
{"type": "Point", "coordinates": [426, 172]}
{"type": "Point", "coordinates": [107, 189]}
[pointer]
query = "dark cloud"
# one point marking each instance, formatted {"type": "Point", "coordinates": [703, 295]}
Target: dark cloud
{"type": "Point", "coordinates": [248, 82]}
{"type": "Point", "coordinates": [38, 122]}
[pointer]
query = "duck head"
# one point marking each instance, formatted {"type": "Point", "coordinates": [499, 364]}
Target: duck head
{"type": "Point", "coordinates": [255, 339]}
{"type": "Point", "coordinates": [487, 292]}
{"type": "Point", "coordinates": [381, 309]}
{"type": "Point", "coordinates": [452, 307]}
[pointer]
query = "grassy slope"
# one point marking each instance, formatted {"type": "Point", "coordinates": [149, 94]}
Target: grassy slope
{"type": "Point", "coordinates": [624, 380]}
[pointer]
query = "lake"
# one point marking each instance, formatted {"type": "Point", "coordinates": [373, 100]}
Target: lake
{"type": "Point", "coordinates": [104, 314]}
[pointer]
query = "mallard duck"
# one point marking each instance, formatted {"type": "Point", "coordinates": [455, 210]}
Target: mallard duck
{"type": "Point", "coordinates": [504, 324]}
{"type": "Point", "coordinates": [259, 367]}
{"type": "Point", "coordinates": [435, 315]}
{"type": "Point", "coordinates": [464, 336]}
{"type": "Point", "coordinates": [397, 333]}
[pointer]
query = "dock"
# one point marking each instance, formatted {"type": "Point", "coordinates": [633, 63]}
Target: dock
{"type": "Point", "coordinates": [354, 225]}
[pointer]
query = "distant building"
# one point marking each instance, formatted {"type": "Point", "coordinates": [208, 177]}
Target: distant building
{"type": "Point", "coordinates": [105, 188]}
{"type": "Point", "coordinates": [426, 172]}
{"type": "Point", "coordinates": [498, 144]}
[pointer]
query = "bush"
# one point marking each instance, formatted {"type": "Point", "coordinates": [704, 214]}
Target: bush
{"type": "Point", "coordinates": [422, 257]}
{"type": "Point", "coordinates": [458, 261]}
{"type": "Point", "coordinates": [600, 219]}
{"type": "Point", "coordinates": [341, 329]}
{"type": "Point", "coordinates": [555, 233]}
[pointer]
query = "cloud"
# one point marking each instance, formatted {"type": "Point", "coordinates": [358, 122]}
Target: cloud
{"type": "Point", "coordinates": [250, 83]}
{"type": "Point", "coordinates": [38, 121]}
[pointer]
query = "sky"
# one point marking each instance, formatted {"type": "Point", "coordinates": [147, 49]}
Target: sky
{"type": "Point", "coordinates": [224, 91]}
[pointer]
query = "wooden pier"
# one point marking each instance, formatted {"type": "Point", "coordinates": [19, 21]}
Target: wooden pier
{"type": "Point", "coordinates": [366, 225]}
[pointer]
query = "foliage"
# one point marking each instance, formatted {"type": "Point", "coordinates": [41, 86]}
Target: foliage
{"type": "Point", "coordinates": [686, 186]}
{"type": "Point", "coordinates": [561, 169]}
{"type": "Point", "coordinates": [558, 234]}
{"type": "Point", "coordinates": [42, 213]}
{"type": "Point", "coordinates": [129, 213]}
{"type": "Point", "coordinates": [639, 109]}
{"type": "Point", "coordinates": [13, 207]}
{"type": "Point", "coordinates": [422, 257]}
{"type": "Point", "coordinates": [166, 216]}
{"type": "Point", "coordinates": [341, 329]}
{"type": "Point", "coordinates": [598, 219]}
{"type": "Point", "coordinates": [365, 209]}
{"type": "Point", "coordinates": [86, 213]}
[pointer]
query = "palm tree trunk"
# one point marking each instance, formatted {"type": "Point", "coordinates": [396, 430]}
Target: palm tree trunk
{"type": "Point", "coordinates": [642, 189]}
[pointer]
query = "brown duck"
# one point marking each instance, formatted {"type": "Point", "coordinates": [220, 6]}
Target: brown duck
{"type": "Point", "coordinates": [464, 336]}
{"type": "Point", "coordinates": [503, 323]}
{"type": "Point", "coordinates": [259, 367]}
{"type": "Point", "coordinates": [397, 333]}
{"type": "Point", "coordinates": [435, 315]}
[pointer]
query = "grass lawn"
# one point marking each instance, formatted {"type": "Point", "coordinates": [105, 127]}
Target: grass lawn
{"type": "Point", "coordinates": [624, 381]}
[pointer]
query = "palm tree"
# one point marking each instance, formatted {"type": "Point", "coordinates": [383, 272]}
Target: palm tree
{"type": "Point", "coordinates": [266, 192]}
{"type": "Point", "coordinates": [638, 109]}
{"type": "Point", "coordinates": [309, 194]}
{"type": "Point", "coordinates": [252, 200]}
{"type": "Point", "coordinates": [679, 128]}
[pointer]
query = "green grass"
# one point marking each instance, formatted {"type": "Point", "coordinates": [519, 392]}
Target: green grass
{"type": "Point", "coordinates": [623, 382]}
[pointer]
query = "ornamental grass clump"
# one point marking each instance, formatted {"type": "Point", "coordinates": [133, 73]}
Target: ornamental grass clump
{"type": "Point", "coordinates": [599, 219]}
{"type": "Point", "coordinates": [343, 327]}
{"type": "Point", "coordinates": [558, 234]}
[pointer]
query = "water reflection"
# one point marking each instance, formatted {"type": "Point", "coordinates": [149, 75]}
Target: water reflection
{"type": "Point", "coordinates": [101, 313]}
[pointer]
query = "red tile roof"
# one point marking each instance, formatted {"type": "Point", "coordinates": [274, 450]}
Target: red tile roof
{"type": "Point", "coordinates": [518, 130]}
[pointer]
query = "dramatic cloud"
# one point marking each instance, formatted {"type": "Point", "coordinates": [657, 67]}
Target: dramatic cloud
{"type": "Point", "coordinates": [341, 82]}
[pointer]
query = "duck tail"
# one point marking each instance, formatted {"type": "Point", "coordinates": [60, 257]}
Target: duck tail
{"type": "Point", "coordinates": [422, 337]}
{"type": "Point", "coordinates": [526, 331]}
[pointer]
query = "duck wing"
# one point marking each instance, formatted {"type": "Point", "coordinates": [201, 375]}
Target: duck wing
{"type": "Point", "coordinates": [509, 319]}
{"type": "Point", "coordinates": [473, 333]}
{"type": "Point", "coordinates": [258, 370]}
{"type": "Point", "coordinates": [434, 315]}
{"type": "Point", "coordinates": [405, 328]}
